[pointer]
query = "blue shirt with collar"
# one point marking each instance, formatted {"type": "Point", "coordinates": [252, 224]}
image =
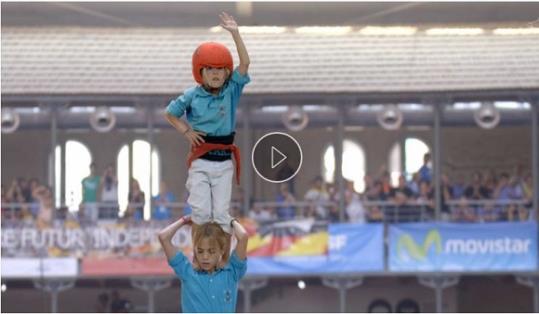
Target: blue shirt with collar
{"type": "Point", "coordinates": [205, 292]}
{"type": "Point", "coordinates": [214, 115]}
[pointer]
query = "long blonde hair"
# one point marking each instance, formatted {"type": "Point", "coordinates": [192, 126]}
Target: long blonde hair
{"type": "Point", "coordinates": [216, 235]}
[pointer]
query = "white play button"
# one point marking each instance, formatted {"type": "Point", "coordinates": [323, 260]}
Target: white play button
{"type": "Point", "coordinates": [276, 157]}
{"type": "Point", "coordinates": [282, 157]}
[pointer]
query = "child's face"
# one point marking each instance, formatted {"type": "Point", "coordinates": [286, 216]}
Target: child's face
{"type": "Point", "coordinates": [208, 254]}
{"type": "Point", "coordinates": [214, 77]}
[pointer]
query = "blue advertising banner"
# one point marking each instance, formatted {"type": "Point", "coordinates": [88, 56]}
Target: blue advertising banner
{"type": "Point", "coordinates": [500, 246]}
{"type": "Point", "coordinates": [348, 248]}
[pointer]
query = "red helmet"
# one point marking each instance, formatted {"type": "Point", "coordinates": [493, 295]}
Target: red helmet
{"type": "Point", "coordinates": [213, 55]}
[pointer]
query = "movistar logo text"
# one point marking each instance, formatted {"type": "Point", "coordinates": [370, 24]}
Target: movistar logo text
{"type": "Point", "coordinates": [419, 252]}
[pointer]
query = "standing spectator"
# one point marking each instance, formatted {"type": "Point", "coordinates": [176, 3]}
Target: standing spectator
{"type": "Point", "coordinates": [333, 207]}
{"type": "Point", "coordinates": [287, 209]}
{"type": "Point", "coordinates": [90, 186]}
{"type": "Point", "coordinates": [354, 207]}
{"type": "Point", "coordinates": [162, 202]}
{"type": "Point", "coordinates": [425, 172]}
{"type": "Point", "coordinates": [109, 194]}
{"type": "Point", "coordinates": [15, 196]}
{"type": "Point", "coordinates": [46, 210]}
{"type": "Point", "coordinates": [317, 195]}
{"type": "Point", "coordinates": [371, 192]}
{"type": "Point", "coordinates": [136, 199]}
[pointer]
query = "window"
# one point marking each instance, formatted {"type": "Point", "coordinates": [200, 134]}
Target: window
{"type": "Point", "coordinates": [77, 167]}
{"type": "Point", "coordinates": [414, 150]}
{"type": "Point", "coordinates": [353, 164]}
{"type": "Point", "coordinates": [394, 162]}
{"type": "Point", "coordinates": [140, 171]}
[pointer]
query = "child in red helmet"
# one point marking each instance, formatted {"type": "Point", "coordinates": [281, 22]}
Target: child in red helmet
{"type": "Point", "coordinates": [211, 119]}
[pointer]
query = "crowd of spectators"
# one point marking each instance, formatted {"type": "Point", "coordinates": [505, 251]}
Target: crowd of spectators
{"type": "Point", "coordinates": [485, 197]}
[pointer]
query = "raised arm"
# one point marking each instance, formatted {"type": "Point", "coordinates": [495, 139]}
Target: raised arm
{"type": "Point", "coordinates": [166, 235]}
{"type": "Point", "coordinates": [228, 23]}
{"type": "Point", "coordinates": [242, 237]}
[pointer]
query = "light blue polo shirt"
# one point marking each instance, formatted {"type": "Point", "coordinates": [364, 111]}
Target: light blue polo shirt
{"type": "Point", "coordinates": [205, 292]}
{"type": "Point", "coordinates": [214, 115]}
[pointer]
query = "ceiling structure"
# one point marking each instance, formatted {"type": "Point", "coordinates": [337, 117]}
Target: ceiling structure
{"type": "Point", "coordinates": [204, 14]}
{"type": "Point", "coordinates": [34, 36]}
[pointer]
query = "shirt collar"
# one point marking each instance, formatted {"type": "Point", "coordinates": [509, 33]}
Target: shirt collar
{"type": "Point", "coordinates": [202, 92]}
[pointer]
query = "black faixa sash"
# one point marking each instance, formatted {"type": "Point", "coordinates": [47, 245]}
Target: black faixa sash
{"type": "Point", "coordinates": [219, 155]}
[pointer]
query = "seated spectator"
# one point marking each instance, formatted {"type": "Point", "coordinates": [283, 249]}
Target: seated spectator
{"type": "Point", "coordinates": [318, 196]}
{"type": "Point", "coordinates": [34, 202]}
{"type": "Point", "coordinates": [261, 214]}
{"type": "Point", "coordinates": [287, 210]}
{"type": "Point", "coordinates": [463, 212]}
{"type": "Point", "coordinates": [458, 188]}
{"type": "Point", "coordinates": [413, 185]}
{"type": "Point", "coordinates": [375, 214]}
{"type": "Point", "coordinates": [385, 182]}
{"type": "Point", "coordinates": [162, 200]}
{"type": "Point", "coordinates": [477, 191]}
{"type": "Point", "coordinates": [425, 198]}
{"type": "Point", "coordinates": [503, 190]}
{"type": "Point", "coordinates": [515, 189]}
{"type": "Point", "coordinates": [447, 195]}
{"type": "Point", "coordinates": [400, 195]}
{"type": "Point", "coordinates": [490, 213]}
{"type": "Point", "coordinates": [527, 187]}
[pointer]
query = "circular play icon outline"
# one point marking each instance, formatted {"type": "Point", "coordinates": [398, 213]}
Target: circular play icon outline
{"type": "Point", "coordinates": [277, 157]}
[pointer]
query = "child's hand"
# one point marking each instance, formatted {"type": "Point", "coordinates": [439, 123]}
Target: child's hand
{"type": "Point", "coordinates": [186, 220]}
{"type": "Point", "coordinates": [194, 137]}
{"type": "Point", "coordinates": [228, 22]}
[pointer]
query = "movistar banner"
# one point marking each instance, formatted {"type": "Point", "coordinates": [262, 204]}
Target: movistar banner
{"type": "Point", "coordinates": [463, 247]}
{"type": "Point", "coordinates": [297, 247]}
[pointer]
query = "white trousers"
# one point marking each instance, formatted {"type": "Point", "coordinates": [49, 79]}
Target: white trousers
{"type": "Point", "coordinates": [209, 184]}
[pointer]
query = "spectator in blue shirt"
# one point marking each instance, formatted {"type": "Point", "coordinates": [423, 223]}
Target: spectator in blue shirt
{"type": "Point", "coordinates": [425, 172]}
{"type": "Point", "coordinates": [210, 283]}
